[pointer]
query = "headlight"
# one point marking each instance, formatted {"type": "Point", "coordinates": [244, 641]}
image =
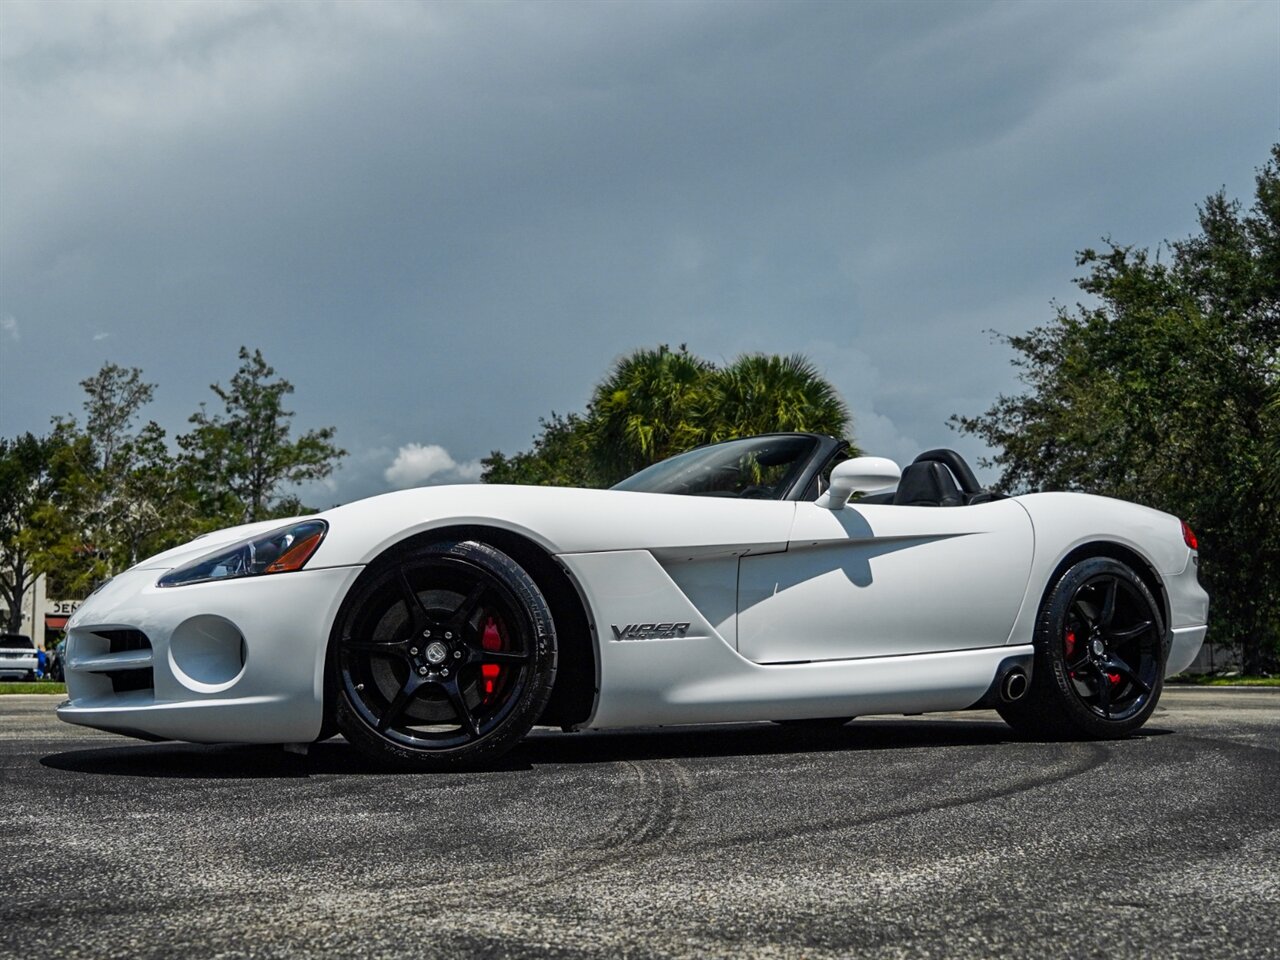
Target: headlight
{"type": "Point", "coordinates": [279, 551]}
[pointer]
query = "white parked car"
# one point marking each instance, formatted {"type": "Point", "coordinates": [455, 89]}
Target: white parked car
{"type": "Point", "coordinates": [433, 627]}
{"type": "Point", "coordinates": [18, 658]}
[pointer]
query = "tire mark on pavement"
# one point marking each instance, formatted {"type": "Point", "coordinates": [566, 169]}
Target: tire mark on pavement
{"type": "Point", "coordinates": [1088, 757]}
{"type": "Point", "coordinates": [648, 813]}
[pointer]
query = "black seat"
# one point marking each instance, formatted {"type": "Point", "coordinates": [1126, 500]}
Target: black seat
{"type": "Point", "coordinates": [927, 484]}
{"type": "Point", "coordinates": [961, 472]}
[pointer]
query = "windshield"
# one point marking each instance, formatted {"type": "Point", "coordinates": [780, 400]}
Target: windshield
{"type": "Point", "coordinates": [759, 468]}
{"type": "Point", "coordinates": [13, 641]}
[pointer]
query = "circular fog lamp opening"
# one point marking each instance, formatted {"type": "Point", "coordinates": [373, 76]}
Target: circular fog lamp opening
{"type": "Point", "coordinates": [207, 653]}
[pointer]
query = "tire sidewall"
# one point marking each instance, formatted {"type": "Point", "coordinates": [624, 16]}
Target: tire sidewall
{"type": "Point", "coordinates": [521, 718]}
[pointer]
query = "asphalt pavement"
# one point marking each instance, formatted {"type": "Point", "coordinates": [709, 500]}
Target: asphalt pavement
{"type": "Point", "coordinates": [890, 837]}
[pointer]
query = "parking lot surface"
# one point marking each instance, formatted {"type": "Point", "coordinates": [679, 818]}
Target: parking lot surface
{"type": "Point", "coordinates": [889, 837]}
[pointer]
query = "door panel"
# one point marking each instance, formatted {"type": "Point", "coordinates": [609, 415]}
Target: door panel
{"type": "Point", "coordinates": [881, 580]}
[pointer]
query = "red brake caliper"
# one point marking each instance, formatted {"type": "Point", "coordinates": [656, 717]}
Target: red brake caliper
{"type": "Point", "coordinates": [491, 640]}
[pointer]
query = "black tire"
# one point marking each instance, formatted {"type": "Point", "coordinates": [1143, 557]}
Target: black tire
{"type": "Point", "coordinates": [1100, 650]}
{"type": "Point", "coordinates": [443, 657]}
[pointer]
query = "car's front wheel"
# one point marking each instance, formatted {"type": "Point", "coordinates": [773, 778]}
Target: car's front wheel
{"type": "Point", "coordinates": [444, 656]}
{"type": "Point", "coordinates": [1099, 656]}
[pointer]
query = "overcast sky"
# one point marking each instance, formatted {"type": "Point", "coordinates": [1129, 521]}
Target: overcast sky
{"type": "Point", "coordinates": [442, 221]}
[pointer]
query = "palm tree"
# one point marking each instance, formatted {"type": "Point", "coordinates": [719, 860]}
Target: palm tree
{"type": "Point", "coordinates": [656, 403]}
{"type": "Point", "coordinates": [768, 393]}
{"type": "Point", "coordinates": [649, 407]}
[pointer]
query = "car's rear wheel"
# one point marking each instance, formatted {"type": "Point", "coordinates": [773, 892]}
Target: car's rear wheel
{"type": "Point", "coordinates": [1099, 656]}
{"type": "Point", "coordinates": [444, 657]}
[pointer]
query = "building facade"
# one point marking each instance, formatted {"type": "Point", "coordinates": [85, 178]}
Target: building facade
{"type": "Point", "coordinates": [44, 618]}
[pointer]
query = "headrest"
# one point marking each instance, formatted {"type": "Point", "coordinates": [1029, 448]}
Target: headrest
{"type": "Point", "coordinates": [927, 484]}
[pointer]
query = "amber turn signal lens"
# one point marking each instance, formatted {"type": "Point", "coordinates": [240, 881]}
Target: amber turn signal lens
{"type": "Point", "coordinates": [296, 555]}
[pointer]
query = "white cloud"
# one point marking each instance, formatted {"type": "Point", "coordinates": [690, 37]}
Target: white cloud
{"type": "Point", "coordinates": [9, 324]}
{"type": "Point", "coordinates": [470, 471]}
{"type": "Point", "coordinates": [100, 336]}
{"type": "Point", "coordinates": [418, 464]}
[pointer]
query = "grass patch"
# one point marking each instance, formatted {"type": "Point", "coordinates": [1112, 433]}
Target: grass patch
{"type": "Point", "coordinates": [36, 686]}
{"type": "Point", "coordinates": [1209, 680]}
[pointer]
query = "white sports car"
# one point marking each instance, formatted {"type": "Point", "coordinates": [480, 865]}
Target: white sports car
{"type": "Point", "coordinates": [434, 627]}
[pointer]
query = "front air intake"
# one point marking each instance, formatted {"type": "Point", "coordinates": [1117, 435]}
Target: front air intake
{"type": "Point", "coordinates": [122, 640]}
{"type": "Point", "coordinates": [126, 673]}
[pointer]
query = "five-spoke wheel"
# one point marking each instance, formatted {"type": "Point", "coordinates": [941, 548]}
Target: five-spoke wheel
{"type": "Point", "coordinates": [1100, 653]}
{"type": "Point", "coordinates": [442, 656]}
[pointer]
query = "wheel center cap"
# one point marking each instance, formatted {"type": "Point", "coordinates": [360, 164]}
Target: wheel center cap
{"type": "Point", "coordinates": [437, 652]}
{"type": "Point", "coordinates": [1099, 648]}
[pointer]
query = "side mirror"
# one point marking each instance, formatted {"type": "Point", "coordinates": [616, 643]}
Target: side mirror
{"type": "Point", "coordinates": [859, 475]}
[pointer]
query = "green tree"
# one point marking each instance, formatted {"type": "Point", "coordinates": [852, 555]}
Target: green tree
{"type": "Point", "coordinates": [29, 483]}
{"type": "Point", "coordinates": [763, 393]}
{"type": "Point", "coordinates": [122, 496]}
{"type": "Point", "coordinates": [1157, 392]}
{"type": "Point", "coordinates": [651, 405]}
{"type": "Point", "coordinates": [114, 398]}
{"type": "Point", "coordinates": [1273, 427]}
{"type": "Point", "coordinates": [560, 457]}
{"type": "Point", "coordinates": [242, 461]}
{"type": "Point", "coordinates": [660, 402]}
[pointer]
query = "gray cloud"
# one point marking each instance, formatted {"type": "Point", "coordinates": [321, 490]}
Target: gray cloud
{"type": "Point", "coordinates": [446, 220]}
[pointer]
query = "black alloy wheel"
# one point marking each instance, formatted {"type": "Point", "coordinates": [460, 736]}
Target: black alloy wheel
{"type": "Point", "coordinates": [1100, 655]}
{"type": "Point", "coordinates": [443, 657]}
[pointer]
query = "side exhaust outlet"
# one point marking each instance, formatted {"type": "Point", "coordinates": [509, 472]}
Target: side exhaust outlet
{"type": "Point", "coordinates": [1010, 683]}
{"type": "Point", "coordinates": [1014, 686]}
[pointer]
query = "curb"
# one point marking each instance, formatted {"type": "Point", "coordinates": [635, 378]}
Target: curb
{"type": "Point", "coordinates": [1221, 686]}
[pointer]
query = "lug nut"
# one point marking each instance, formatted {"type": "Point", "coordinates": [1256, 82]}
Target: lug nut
{"type": "Point", "coordinates": [422, 671]}
{"type": "Point", "coordinates": [448, 635]}
{"type": "Point", "coordinates": [457, 654]}
{"type": "Point", "coordinates": [413, 651]}
{"type": "Point", "coordinates": [426, 633]}
{"type": "Point", "coordinates": [444, 672]}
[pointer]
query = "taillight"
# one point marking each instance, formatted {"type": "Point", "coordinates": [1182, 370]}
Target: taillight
{"type": "Point", "coordinates": [1189, 536]}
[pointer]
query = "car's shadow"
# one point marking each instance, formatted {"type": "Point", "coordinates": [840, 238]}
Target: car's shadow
{"type": "Point", "coordinates": [544, 748]}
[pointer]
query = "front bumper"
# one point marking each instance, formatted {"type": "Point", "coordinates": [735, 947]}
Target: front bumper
{"type": "Point", "coordinates": [235, 660]}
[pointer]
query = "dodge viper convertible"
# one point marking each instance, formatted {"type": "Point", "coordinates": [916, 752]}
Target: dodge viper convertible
{"type": "Point", "coordinates": [769, 578]}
